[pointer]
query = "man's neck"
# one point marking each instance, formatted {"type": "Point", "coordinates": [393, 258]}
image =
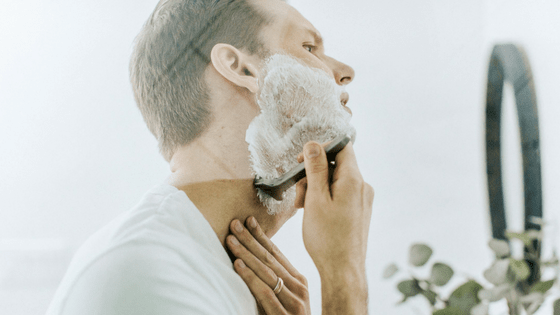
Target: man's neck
{"type": "Point", "coordinates": [222, 201]}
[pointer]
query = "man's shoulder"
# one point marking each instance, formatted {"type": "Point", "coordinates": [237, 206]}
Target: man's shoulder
{"type": "Point", "coordinates": [160, 248]}
{"type": "Point", "coordinates": [164, 222]}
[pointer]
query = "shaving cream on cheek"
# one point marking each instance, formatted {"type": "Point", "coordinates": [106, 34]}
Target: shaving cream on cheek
{"type": "Point", "coordinates": [298, 104]}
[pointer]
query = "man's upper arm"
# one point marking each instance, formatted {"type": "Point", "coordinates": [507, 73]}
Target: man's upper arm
{"type": "Point", "coordinates": [142, 279]}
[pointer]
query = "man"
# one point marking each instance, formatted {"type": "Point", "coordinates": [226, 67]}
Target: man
{"type": "Point", "coordinates": [231, 89]}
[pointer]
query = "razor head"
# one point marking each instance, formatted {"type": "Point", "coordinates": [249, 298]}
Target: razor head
{"type": "Point", "coordinates": [277, 186]}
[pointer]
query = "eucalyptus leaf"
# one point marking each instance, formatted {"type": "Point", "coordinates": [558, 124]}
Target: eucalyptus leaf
{"type": "Point", "coordinates": [534, 301]}
{"type": "Point", "coordinates": [494, 294]}
{"type": "Point", "coordinates": [441, 274]}
{"type": "Point", "coordinates": [534, 234]}
{"type": "Point", "coordinates": [497, 273]}
{"type": "Point", "coordinates": [390, 271]}
{"type": "Point", "coordinates": [480, 309]}
{"type": "Point", "coordinates": [550, 263]}
{"type": "Point", "coordinates": [537, 220]}
{"type": "Point", "coordinates": [520, 269]}
{"type": "Point", "coordinates": [524, 237]}
{"type": "Point", "coordinates": [409, 287]}
{"type": "Point", "coordinates": [542, 286]}
{"type": "Point", "coordinates": [450, 311]}
{"type": "Point", "coordinates": [532, 297]}
{"type": "Point", "coordinates": [556, 307]}
{"type": "Point", "coordinates": [419, 254]}
{"type": "Point", "coordinates": [430, 295]}
{"type": "Point", "coordinates": [500, 247]}
{"type": "Point", "coordinates": [403, 300]}
{"type": "Point", "coordinates": [465, 297]}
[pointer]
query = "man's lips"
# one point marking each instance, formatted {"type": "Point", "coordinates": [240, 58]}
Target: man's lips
{"type": "Point", "coordinates": [344, 97]}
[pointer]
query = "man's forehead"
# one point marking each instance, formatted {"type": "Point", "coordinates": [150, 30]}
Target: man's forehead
{"type": "Point", "coordinates": [287, 17]}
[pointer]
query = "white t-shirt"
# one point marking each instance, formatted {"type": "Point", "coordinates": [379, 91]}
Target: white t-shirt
{"type": "Point", "coordinates": [160, 258]}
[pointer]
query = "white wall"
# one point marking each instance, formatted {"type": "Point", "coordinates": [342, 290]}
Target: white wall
{"type": "Point", "coordinates": [76, 153]}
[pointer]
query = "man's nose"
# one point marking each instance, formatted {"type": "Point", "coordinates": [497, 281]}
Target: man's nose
{"type": "Point", "coordinates": [343, 73]}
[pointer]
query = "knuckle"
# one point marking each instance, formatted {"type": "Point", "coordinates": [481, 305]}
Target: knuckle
{"type": "Point", "coordinates": [354, 180]}
{"type": "Point", "coordinates": [273, 249]}
{"type": "Point", "coordinates": [247, 276]}
{"type": "Point", "coordinates": [263, 292]}
{"type": "Point", "coordinates": [267, 293]}
{"type": "Point", "coordinates": [304, 293]}
{"type": "Point", "coordinates": [259, 233]}
{"type": "Point", "coordinates": [268, 259]}
{"type": "Point", "coordinates": [317, 168]}
{"type": "Point", "coordinates": [271, 273]}
{"type": "Point", "coordinates": [301, 278]}
{"type": "Point", "coordinates": [299, 308]}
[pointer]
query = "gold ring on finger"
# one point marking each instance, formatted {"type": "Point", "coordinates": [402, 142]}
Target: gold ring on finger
{"type": "Point", "coordinates": [279, 286]}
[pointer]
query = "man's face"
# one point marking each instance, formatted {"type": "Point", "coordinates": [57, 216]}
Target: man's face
{"type": "Point", "coordinates": [300, 101]}
{"type": "Point", "coordinates": [292, 34]}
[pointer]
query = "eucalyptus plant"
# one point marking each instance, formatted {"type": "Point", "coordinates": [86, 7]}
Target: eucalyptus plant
{"type": "Point", "coordinates": [515, 280]}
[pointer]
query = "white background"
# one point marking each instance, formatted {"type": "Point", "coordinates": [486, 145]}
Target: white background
{"type": "Point", "coordinates": [75, 151]}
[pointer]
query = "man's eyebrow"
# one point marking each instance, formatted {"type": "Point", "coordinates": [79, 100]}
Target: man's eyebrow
{"type": "Point", "coordinates": [317, 36]}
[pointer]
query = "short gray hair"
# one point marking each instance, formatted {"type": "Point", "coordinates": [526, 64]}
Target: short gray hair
{"type": "Point", "coordinates": [171, 54]}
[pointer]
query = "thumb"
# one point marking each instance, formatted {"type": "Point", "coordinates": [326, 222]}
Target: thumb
{"type": "Point", "coordinates": [316, 170]}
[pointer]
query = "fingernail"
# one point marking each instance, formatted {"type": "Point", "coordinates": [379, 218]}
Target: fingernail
{"type": "Point", "coordinates": [311, 151]}
{"type": "Point", "coordinates": [238, 227]}
{"type": "Point", "coordinates": [234, 240]}
{"type": "Point", "coordinates": [241, 264]}
{"type": "Point", "coordinates": [253, 223]}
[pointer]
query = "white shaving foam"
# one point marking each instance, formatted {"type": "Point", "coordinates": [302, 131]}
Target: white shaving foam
{"type": "Point", "coordinates": [298, 104]}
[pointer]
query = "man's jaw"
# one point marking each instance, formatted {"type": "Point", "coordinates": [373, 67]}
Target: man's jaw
{"type": "Point", "coordinates": [276, 137]}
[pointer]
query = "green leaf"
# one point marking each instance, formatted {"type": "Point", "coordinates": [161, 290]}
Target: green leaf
{"type": "Point", "coordinates": [441, 274]}
{"type": "Point", "coordinates": [532, 298]}
{"type": "Point", "coordinates": [409, 287]}
{"type": "Point", "coordinates": [403, 300]}
{"type": "Point", "coordinates": [465, 297]}
{"type": "Point", "coordinates": [390, 271]}
{"type": "Point", "coordinates": [520, 269]}
{"type": "Point", "coordinates": [542, 286]}
{"type": "Point", "coordinates": [500, 247]}
{"type": "Point", "coordinates": [430, 295]}
{"type": "Point", "coordinates": [534, 234]}
{"type": "Point", "coordinates": [480, 309]}
{"type": "Point", "coordinates": [494, 294]}
{"type": "Point", "coordinates": [497, 273]}
{"type": "Point", "coordinates": [419, 254]}
{"type": "Point", "coordinates": [556, 307]}
{"type": "Point", "coordinates": [450, 311]}
{"type": "Point", "coordinates": [526, 237]}
{"type": "Point", "coordinates": [532, 301]}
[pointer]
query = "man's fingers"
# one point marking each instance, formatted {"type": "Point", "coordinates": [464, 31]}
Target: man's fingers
{"type": "Point", "coordinates": [260, 259]}
{"type": "Point", "coordinates": [317, 171]}
{"type": "Point", "coordinates": [261, 291]}
{"type": "Point", "coordinates": [300, 155]}
{"type": "Point", "coordinates": [346, 163]}
{"type": "Point", "coordinates": [265, 273]}
{"type": "Point", "coordinates": [255, 229]}
{"type": "Point", "coordinates": [301, 188]}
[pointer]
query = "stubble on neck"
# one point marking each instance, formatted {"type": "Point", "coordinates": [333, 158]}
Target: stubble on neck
{"type": "Point", "coordinates": [221, 201]}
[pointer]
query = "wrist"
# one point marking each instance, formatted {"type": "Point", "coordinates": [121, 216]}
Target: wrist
{"type": "Point", "coordinates": [347, 274]}
{"type": "Point", "coordinates": [344, 290]}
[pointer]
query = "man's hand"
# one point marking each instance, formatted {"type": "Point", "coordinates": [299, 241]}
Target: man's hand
{"type": "Point", "coordinates": [260, 264]}
{"type": "Point", "coordinates": [335, 227]}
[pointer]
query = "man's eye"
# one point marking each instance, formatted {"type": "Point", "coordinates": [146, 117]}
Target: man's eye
{"type": "Point", "coordinates": [309, 48]}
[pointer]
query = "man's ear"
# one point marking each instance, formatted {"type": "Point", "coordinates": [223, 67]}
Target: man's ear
{"type": "Point", "coordinates": [235, 66]}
